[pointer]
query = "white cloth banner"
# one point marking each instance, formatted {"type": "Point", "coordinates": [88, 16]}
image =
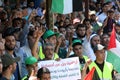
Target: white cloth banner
{"type": "Point", "coordinates": [65, 69]}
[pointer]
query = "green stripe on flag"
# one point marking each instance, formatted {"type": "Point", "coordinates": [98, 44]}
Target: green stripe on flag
{"type": "Point", "coordinates": [114, 59]}
{"type": "Point", "coordinates": [57, 6]}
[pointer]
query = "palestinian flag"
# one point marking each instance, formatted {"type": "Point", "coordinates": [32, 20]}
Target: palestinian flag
{"type": "Point", "coordinates": [66, 6]}
{"type": "Point", "coordinates": [92, 75]}
{"type": "Point", "coordinates": [113, 55]}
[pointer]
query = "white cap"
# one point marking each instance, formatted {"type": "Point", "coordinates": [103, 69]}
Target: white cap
{"type": "Point", "coordinates": [98, 47]}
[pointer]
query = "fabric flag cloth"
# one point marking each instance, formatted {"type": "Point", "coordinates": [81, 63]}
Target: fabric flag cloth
{"type": "Point", "coordinates": [66, 6]}
{"type": "Point", "coordinates": [113, 55]}
{"type": "Point", "coordinates": [92, 75]}
{"type": "Point", "coordinates": [89, 76]}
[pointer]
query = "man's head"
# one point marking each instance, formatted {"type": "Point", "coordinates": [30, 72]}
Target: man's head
{"type": "Point", "coordinates": [66, 21]}
{"type": "Point", "coordinates": [31, 37]}
{"type": "Point", "coordinates": [50, 36]}
{"type": "Point", "coordinates": [117, 27]}
{"type": "Point", "coordinates": [105, 7]}
{"type": "Point", "coordinates": [94, 40]}
{"type": "Point", "coordinates": [43, 74]}
{"type": "Point", "coordinates": [63, 43]}
{"type": "Point", "coordinates": [99, 52]}
{"type": "Point", "coordinates": [105, 40]}
{"type": "Point", "coordinates": [9, 63]}
{"type": "Point", "coordinates": [3, 15]}
{"type": "Point", "coordinates": [77, 47]}
{"type": "Point", "coordinates": [92, 15]}
{"type": "Point", "coordinates": [31, 64]}
{"type": "Point", "coordinates": [48, 50]}
{"type": "Point", "coordinates": [62, 30]}
{"type": "Point", "coordinates": [110, 13]}
{"type": "Point", "coordinates": [81, 30]}
{"type": "Point", "coordinates": [10, 41]}
{"type": "Point", "coordinates": [117, 16]}
{"type": "Point", "coordinates": [71, 27]}
{"type": "Point", "coordinates": [17, 22]}
{"type": "Point", "coordinates": [24, 11]}
{"type": "Point", "coordinates": [87, 23]}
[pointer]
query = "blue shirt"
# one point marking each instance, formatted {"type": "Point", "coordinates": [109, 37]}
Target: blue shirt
{"type": "Point", "coordinates": [16, 73]}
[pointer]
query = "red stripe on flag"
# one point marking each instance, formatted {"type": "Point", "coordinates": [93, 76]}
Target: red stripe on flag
{"type": "Point", "coordinates": [89, 76]}
{"type": "Point", "coordinates": [112, 43]}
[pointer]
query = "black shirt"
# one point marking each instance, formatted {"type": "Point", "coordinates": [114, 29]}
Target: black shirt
{"type": "Point", "coordinates": [100, 66]}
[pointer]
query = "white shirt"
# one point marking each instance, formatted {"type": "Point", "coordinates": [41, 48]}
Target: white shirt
{"type": "Point", "coordinates": [102, 17]}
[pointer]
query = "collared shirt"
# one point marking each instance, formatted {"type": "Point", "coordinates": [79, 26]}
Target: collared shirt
{"type": "Point", "coordinates": [102, 17]}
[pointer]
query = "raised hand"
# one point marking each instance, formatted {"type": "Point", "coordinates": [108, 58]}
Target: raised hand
{"type": "Point", "coordinates": [32, 76]}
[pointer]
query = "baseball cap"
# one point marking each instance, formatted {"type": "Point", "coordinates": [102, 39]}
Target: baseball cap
{"type": "Point", "coordinates": [7, 59]}
{"type": "Point", "coordinates": [98, 47]}
{"type": "Point", "coordinates": [10, 31]}
{"type": "Point", "coordinates": [76, 42]}
{"type": "Point", "coordinates": [30, 60]}
{"type": "Point", "coordinates": [49, 33]}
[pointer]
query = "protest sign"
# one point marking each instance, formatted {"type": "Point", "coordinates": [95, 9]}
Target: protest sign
{"type": "Point", "coordinates": [65, 69]}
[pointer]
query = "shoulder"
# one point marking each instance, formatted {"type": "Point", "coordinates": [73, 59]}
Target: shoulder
{"type": "Point", "coordinates": [3, 78]}
{"type": "Point", "coordinates": [109, 64]}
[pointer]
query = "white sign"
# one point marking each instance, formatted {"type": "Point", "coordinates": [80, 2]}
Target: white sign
{"type": "Point", "coordinates": [65, 69]}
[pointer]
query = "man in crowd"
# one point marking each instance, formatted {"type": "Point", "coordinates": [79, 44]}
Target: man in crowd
{"type": "Point", "coordinates": [10, 44]}
{"type": "Point", "coordinates": [117, 27]}
{"type": "Point", "coordinates": [81, 31]}
{"type": "Point", "coordinates": [78, 52]}
{"type": "Point", "coordinates": [50, 37]}
{"type": "Point", "coordinates": [104, 69]}
{"type": "Point", "coordinates": [31, 64]}
{"type": "Point", "coordinates": [48, 50]}
{"type": "Point", "coordinates": [9, 66]}
{"type": "Point", "coordinates": [43, 74]}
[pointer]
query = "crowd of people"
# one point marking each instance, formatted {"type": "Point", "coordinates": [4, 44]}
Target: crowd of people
{"type": "Point", "coordinates": [25, 39]}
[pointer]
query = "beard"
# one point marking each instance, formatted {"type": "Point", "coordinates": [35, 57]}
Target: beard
{"type": "Point", "coordinates": [9, 48]}
{"type": "Point", "coordinates": [81, 36]}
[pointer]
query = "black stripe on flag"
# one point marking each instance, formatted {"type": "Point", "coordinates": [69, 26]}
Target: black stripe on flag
{"type": "Point", "coordinates": [77, 5]}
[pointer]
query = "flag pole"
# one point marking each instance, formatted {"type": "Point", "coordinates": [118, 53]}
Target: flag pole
{"type": "Point", "coordinates": [86, 9]}
{"type": "Point", "coordinates": [49, 14]}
